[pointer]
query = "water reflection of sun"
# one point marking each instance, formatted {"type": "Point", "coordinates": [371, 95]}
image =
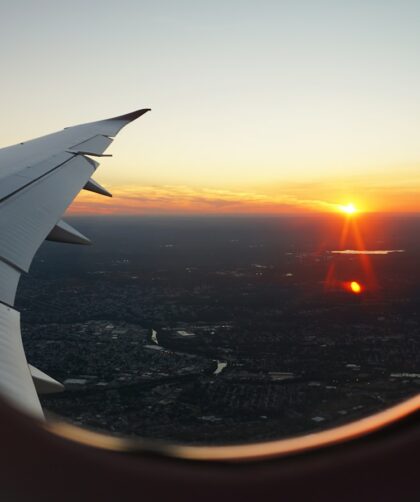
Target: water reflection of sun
{"type": "Point", "coordinates": [351, 234]}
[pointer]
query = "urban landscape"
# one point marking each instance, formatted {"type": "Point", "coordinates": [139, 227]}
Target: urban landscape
{"type": "Point", "coordinates": [214, 331]}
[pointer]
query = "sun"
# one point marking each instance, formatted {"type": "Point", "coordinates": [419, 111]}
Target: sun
{"type": "Point", "coordinates": [349, 209]}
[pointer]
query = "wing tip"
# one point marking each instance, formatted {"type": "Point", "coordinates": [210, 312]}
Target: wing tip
{"type": "Point", "coordinates": [129, 117]}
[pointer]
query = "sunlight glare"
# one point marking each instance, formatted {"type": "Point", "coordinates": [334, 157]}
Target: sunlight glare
{"type": "Point", "coordinates": [349, 209]}
{"type": "Point", "coordinates": [355, 287]}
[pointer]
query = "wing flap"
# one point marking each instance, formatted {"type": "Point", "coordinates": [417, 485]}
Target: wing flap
{"type": "Point", "coordinates": [9, 280]}
{"type": "Point", "coordinates": [15, 182]}
{"type": "Point", "coordinates": [27, 217]}
{"type": "Point", "coordinates": [16, 382]}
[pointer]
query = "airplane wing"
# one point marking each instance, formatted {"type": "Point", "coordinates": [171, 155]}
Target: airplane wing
{"type": "Point", "coordinates": [38, 181]}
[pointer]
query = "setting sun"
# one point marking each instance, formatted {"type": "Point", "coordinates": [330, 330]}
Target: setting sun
{"type": "Point", "coordinates": [349, 209]}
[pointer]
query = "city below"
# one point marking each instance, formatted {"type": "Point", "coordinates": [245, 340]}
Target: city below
{"type": "Point", "coordinates": [225, 330]}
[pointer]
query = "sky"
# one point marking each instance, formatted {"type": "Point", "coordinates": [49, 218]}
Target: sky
{"type": "Point", "coordinates": [258, 107]}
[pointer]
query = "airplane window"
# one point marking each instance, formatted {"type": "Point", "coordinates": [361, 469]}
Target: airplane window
{"type": "Point", "coordinates": [255, 276]}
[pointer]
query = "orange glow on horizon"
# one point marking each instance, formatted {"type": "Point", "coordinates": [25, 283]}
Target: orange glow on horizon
{"type": "Point", "coordinates": [181, 199]}
{"type": "Point", "coordinates": [135, 199]}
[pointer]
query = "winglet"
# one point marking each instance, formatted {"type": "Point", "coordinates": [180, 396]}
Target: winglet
{"type": "Point", "coordinates": [112, 126]}
{"type": "Point", "coordinates": [129, 117]}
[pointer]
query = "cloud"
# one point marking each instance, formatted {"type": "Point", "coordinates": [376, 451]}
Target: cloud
{"type": "Point", "coordinates": [379, 193]}
{"type": "Point", "coordinates": [181, 199]}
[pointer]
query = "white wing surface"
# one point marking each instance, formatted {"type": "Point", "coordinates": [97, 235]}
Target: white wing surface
{"type": "Point", "coordinates": [38, 181]}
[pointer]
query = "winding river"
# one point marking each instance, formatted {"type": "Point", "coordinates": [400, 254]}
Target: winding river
{"type": "Point", "coordinates": [221, 365]}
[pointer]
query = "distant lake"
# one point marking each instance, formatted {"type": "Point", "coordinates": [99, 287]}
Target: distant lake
{"type": "Point", "coordinates": [374, 251]}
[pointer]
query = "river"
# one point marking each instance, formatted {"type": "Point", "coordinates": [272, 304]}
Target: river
{"type": "Point", "coordinates": [221, 365]}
